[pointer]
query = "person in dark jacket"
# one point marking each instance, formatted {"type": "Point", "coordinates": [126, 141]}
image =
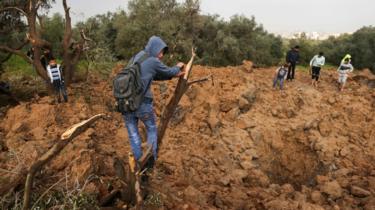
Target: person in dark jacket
{"type": "Point", "coordinates": [46, 57]}
{"type": "Point", "coordinates": [151, 69]}
{"type": "Point", "coordinates": [292, 58]}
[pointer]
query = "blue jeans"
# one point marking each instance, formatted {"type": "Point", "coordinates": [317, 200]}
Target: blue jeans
{"type": "Point", "coordinates": [146, 114]}
{"type": "Point", "coordinates": [280, 80]}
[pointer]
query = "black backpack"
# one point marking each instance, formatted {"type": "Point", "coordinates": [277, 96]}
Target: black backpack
{"type": "Point", "coordinates": [128, 87]}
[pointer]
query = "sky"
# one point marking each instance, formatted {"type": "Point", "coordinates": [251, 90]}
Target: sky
{"type": "Point", "coordinates": [277, 16]}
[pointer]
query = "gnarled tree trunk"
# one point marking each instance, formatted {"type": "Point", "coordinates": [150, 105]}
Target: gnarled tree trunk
{"type": "Point", "coordinates": [72, 51]}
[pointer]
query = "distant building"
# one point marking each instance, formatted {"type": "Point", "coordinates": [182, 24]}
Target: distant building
{"type": "Point", "coordinates": [310, 35]}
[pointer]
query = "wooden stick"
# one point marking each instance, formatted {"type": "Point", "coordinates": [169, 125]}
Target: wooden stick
{"type": "Point", "coordinates": [66, 137]}
{"type": "Point", "coordinates": [189, 66]}
{"type": "Point", "coordinates": [104, 201]}
{"type": "Point", "coordinates": [200, 80]}
{"type": "Point", "coordinates": [135, 192]}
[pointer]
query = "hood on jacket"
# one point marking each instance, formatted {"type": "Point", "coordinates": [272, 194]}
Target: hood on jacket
{"type": "Point", "coordinates": [155, 45]}
{"type": "Point", "coordinates": [347, 56]}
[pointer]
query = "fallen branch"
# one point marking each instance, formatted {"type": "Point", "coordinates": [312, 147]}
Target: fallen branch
{"type": "Point", "coordinates": [66, 138]}
{"type": "Point", "coordinates": [200, 80]}
{"type": "Point", "coordinates": [108, 198]}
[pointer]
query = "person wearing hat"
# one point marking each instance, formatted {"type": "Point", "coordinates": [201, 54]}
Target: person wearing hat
{"type": "Point", "coordinates": [344, 70]}
{"type": "Point", "coordinates": [292, 58]}
{"type": "Point", "coordinates": [347, 56]}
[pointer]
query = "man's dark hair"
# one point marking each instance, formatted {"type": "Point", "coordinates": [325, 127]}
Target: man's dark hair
{"type": "Point", "coordinates": [165, 50]}
{"type": "Point", "coordinates": [321, 53]}
{"type": "Point", "coordinates": [296, 47]}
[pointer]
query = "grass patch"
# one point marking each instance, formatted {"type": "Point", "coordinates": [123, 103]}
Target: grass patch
{"type": "Point", "coordinates": [101, 68]}
{"type": "Point", "coordinates": [54, 199]}
{"type": "Point", "coordinates": [17, 66]}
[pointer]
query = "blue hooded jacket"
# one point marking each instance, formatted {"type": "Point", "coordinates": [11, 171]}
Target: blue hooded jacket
{"type": "Point", "coordinates": [152, 68]}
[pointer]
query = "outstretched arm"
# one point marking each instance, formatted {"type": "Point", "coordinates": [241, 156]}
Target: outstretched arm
{"type": "Point", "coordinates": [164, 72]}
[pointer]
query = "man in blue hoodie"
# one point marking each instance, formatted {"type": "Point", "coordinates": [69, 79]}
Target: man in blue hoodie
{"type": "Point", "coordinates": [292, 58]}
{"type": "Point", "coordinates": [151, 69]}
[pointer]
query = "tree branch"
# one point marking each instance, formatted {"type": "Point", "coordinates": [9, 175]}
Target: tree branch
{"type": "Point", "coordinates": [65, 139]}
{"type": "Point", "coordinates": [17, 52]}
{"type": "Point", "coordinates": [200, 80]}
{"type": "Point", "coordinates": [84, 37]}
{"type": "Point", "coordinates": [68, 25]}
{"type": "Point", "coordinates": [40, 20]}
{"type": "Point", "coordinates": [10, 54]}
{"type": "Point", "coordinates": [14, 8]}
{"type": "Point", "coordinates": [189, 66]}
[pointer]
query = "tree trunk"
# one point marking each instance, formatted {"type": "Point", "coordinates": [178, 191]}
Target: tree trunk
{"type": "Point", "coordinates": [72, 51]}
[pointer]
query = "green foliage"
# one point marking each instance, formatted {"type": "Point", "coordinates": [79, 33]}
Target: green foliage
{"type": "Point", "coordinates": [53, 31]}
{"type": "Point", "coordinates": [17, 66]}
{"type": "Point", "coordinates": [360, 44]}
{"type": "Point", "coordinates": [218, 42]}
{"type": "Point", "coordinates": [12, 29]}
{"type": "Point", "coordinates": [308, 48]}
{"type": "Point", "coordinates": [362, 48]}
{"type": "Point", "coordinates": [335, 48]}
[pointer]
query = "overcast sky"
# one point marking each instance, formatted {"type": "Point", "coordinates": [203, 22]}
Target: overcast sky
{"type": "Point", "coordinates": [277, 16]}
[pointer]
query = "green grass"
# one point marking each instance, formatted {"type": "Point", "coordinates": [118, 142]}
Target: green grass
{"type": "Point", "coordinates": [17, 66]}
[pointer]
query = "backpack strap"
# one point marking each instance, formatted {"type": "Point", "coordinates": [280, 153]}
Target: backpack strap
{"type": "Point", "coordinates": [131, 61]}
{"type": "Point", "coordinates": [142, 58]}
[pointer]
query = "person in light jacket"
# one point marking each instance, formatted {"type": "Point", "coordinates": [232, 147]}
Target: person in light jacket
{"type": "Point", "coordinates": [316, 64]}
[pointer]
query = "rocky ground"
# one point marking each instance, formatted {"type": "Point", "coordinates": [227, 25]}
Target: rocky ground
{"type": "Point", "coordinates": [234, 143]}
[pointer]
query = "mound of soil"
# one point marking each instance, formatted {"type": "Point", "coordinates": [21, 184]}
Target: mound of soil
{"type": "Point", "coordinates": [233, 143]}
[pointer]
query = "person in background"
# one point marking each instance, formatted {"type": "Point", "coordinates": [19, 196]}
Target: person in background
{"type": "Point", "coordinates": [344, 70]}
{"type": "Point", "coordinates": [53, 70]}
{"type": "Point", "coordinates": [280, 76]}
{"type": "Point", "coordinates": [316, 64]}
{"type": "Point", "coordinates": [292, 58]}
{"type": "Point", "coordinates": [347, 56]}
{"type": "Point", "coordinates": [46, 57]}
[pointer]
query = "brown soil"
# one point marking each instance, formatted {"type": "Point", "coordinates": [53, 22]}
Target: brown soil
{"type": "Point", "coordinates": [233, 144]}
